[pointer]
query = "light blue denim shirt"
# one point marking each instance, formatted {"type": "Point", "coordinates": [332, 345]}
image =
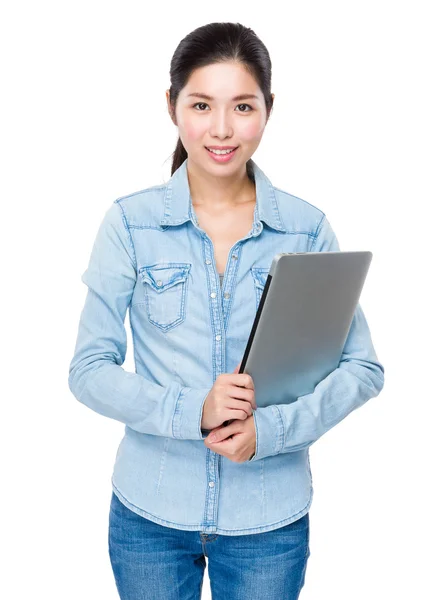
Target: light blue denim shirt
{"type": "Point", "coordinates": [150, 256]}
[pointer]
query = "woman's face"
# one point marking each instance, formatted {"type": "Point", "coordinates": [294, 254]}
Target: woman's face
{"type": "Point", "coordinates": [221, 119]}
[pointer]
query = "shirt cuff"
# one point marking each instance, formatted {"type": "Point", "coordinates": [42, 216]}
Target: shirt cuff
{"type": "Point", "coordinates": [269, 432]}
{"type": "Point", "coordinates": [188, 411]}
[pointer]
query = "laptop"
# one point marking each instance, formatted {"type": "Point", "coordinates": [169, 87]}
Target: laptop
{"type": "Point", "coordinates": [302, 322]}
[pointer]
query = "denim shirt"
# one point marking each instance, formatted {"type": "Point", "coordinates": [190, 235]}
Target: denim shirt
{"type": "Point", "coordinates": [151, 257]}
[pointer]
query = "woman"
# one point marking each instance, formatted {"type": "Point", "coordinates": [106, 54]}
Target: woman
{"type": "Point", "coordinates": [189, 258]}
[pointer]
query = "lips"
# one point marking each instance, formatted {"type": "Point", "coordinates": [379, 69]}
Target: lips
{"type": "Point", "coordinates": [221, 158]}
{"type": "Point", "coordinates": [223, 148]}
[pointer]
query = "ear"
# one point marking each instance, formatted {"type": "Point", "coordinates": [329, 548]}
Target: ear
{"type": "Point", "coordinates": [271, 108]}
{"type": "Point", "coordinates": [170, 111]}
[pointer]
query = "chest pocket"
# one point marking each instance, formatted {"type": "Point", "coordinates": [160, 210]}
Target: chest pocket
{"type": "Point", "coordinates": [259, 278]}
{"type": "Point", "coordinates": [165, 293]}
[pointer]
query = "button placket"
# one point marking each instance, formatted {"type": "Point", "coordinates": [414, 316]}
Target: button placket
{"type": "Point", "coordinates": [210, 510]}
{"type": "Point", "coordinates": [229, 284]}
{"type": "Point", "coordinates": [216, 312]}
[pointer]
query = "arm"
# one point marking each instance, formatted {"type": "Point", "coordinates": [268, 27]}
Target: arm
{"type": "Point", "coordinates": [291, 427]}
{"type": "Point", "coordinates": [96, 377]}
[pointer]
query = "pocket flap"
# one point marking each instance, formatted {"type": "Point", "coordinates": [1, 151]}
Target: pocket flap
{"type": "Point", "coordinates": [163, 276]}
{"type": "Point", "coordinates": [260, 275]}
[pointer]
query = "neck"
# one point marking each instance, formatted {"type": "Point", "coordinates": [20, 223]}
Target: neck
{"type": "Point", "coordinates": [208, 191]}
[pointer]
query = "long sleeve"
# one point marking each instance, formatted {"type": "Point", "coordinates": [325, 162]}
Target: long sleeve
{"type": "Point", "coordinates": [96, 377]}
{"type": "Point", "coordinates": [359, 376]}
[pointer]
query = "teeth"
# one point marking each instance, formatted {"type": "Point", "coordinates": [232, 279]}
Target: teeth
{"type": "Point", "coordinates": [220, 151]}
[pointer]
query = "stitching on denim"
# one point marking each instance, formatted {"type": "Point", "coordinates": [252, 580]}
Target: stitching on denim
{"type": "Point", "coordinates": [157, 228]}
{"type": "Point", "coordinates": [182, 294]}
{"type": "Point", "coordinates": [275, 209]}
{"type": "Point", "coordinates": [280, 437]}
{"type": "Point", "coordinates": [162, 464]}
{"type": "Point", "coordinates": [290, 519]}
{"type": "Point", "coordinates": [178, 319]}
{"type": "Point", "coordinates": [168, 227]}
{"type": "Point", "coordinates": [123, 216]}
{"type": "Point", "coordinates": [226, 315]}
{"type": "Point", "coordinates": [257, 282]}
{"type": "Point", "coordinates": [257, 438]}
{"type": "Point", "coordinates": [176, 419]}
{"type": "Point", "coordinates": [207, 275]}
{"type": "Point", "coordinates": [153, 188]}
{"type": "Point", "coordinates": [317, 233]}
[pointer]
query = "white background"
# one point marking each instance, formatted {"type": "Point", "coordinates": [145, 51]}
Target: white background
{"type": "Point", "coordinates": [359, 130]}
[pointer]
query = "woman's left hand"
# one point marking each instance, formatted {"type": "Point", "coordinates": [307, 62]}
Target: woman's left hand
{"type": "Point", "coordinates": [236, 441]}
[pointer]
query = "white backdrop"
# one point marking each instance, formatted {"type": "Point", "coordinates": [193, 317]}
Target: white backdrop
{"type": "Point", "coordinates": [359, 130]}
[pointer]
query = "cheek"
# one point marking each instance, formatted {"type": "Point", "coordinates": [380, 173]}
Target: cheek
{"type": "Point", "coordinates": [192, 132]}
{"type": "Point", "coordinates": [250, 131]}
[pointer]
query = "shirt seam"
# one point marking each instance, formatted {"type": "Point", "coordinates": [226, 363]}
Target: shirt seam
{"type": "Point", "coordinates": [126, 227]}
{"type": "Point", "coordinates": [299, 514]}
{"type": "Point", "coordinates": [280, 436]}
{"type": "Point", "coordinates": [317, 233]}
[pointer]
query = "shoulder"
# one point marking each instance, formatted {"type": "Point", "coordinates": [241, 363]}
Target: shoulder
{"type": "Point", "coordinates": [297, 214]}
{"type": "Point", "coordinates": [143, 208]}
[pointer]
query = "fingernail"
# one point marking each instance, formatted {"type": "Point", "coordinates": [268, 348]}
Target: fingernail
{"type": "Point", "coordinates": [212, 437]}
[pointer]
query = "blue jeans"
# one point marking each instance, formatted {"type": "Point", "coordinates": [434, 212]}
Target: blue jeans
{"type": "Point", "coordinates": [154, 562]}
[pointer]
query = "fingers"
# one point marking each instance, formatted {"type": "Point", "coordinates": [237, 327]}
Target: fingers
{"type": "Point", "coordinates": [243, 380]}
{"type": "Point", "coordinates": [221, 433]}
{"type": "Point", "coordinates": [237, 392]}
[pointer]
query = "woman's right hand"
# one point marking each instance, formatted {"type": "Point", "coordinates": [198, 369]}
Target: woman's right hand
{"type": "Point", "coordinates": [231, 397]}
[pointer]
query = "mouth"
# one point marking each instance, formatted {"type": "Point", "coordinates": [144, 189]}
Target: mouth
{"type": "Point", "coordinates": [222, 157]}
{"type": "Point", "coordinates": [232, 148]}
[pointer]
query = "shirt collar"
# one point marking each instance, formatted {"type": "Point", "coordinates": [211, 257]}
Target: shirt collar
{"type": "Point", "coordinates": [178, 204]}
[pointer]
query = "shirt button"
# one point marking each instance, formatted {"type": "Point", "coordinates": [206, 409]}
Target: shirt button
{"type": "Point", "coordinates": [226, 295]}
{"type": "Point", "coordinates": [159, 282]}
{"type": "Point", "coordinates": [211, 483]}
{"type": "Point", "coordinates": [213, 294]}
{"type": "Point", "coordinates": [234, 256]}
{"type": "Point", "coordinates": [208, 262]}
{"type": "Point", "coordinates": [218, 338]}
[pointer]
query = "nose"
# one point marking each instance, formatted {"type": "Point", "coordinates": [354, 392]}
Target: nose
{"type": "Point", "coordinates": [221, 125]}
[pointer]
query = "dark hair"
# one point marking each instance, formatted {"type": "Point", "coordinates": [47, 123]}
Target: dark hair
{"type": "Point", "coordinates": [214, 43]}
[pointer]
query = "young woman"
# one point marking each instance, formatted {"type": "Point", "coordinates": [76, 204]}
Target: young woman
{"type": "Point", "coordinates": [189, 259]}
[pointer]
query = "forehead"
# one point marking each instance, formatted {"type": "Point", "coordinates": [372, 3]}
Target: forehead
{"type": "Point", "coordinates": [221, 81]}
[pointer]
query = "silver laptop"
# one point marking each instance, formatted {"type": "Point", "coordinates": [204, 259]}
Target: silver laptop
{"type": "Point", "coordinates": [302, 322]}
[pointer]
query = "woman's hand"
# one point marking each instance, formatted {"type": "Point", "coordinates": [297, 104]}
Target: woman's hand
{"type": "Point", "coordinates": [236, 441]}
{"type": "Point", "coordinates": [231, 397]}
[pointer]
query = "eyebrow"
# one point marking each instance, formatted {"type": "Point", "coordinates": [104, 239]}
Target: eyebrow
{"type": "Point", "coordinates": [240, 97]}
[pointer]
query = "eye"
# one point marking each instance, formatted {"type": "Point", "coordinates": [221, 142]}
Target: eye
{"type": "Point", "coordinates": [246, 110]}
{"type": "Point", "coordinates": [202, 103]}
{"type": "Point", "coordinates": [205, 104]}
